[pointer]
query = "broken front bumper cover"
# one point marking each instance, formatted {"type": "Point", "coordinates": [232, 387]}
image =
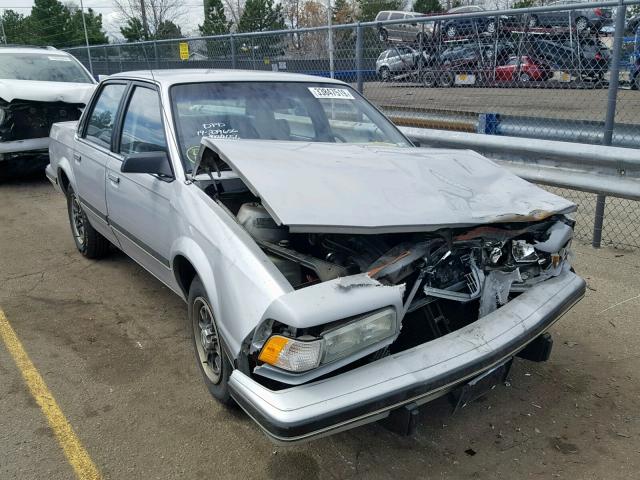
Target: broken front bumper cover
{"type": "Point", "coordinates": [419, 375]}
{"type": "Point", "coordinates": [14, 148]}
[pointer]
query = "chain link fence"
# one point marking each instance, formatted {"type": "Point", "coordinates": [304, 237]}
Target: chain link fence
{"type": "Point", "coordinates": [568, 72]}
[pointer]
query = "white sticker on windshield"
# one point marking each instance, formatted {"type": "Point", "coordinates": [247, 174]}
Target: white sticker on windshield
{"type": "Point", "coordinates": [59, 58]}
{"type": "Point", "coordinates": [324, 92]}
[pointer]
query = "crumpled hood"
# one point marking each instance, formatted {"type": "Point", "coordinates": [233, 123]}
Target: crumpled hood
{"type": "Point", "coordinates": [45, 91]}
{"type": "Point", "coordinates": [347, 188]}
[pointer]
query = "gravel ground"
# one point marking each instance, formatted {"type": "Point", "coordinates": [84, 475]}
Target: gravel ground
{"type": "Point", "coordinates": [112, 345]}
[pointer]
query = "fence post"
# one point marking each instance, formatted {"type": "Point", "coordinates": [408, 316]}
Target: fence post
{"type": "Point", "coordinates": [155, 54]}
{"type": "Point", "coordinates": [233, 51]}
{"type": "Point", "coordinates": [359, 58]}
{"type": "Point", "coordinates": [107, 71]}
{"type": "Point", "coordinates": [609, 121]}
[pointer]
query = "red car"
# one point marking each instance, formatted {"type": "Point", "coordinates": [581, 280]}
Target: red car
{"type": "Point", "coordinates": [530, 69]}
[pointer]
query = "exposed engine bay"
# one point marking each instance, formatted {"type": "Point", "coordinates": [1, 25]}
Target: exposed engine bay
{"type": "Point", "coordinates": [451, 277]}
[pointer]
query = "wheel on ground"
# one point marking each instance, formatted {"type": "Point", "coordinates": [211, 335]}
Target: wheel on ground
{"type": "Point", "coordinates": [533, 21]}
{"type": "Point", "coordinates": [491, 27]}
{"type": "Point", "coordinates": [447, 79]}
{"type": "Point", "coordinates": [88, 241]}
{"type": "Point", "coordinates": [635, 85]}
{"type": "Point", "coordinates": [210, 356]}
{"type": "Point", "coordinates": [524, 77]}
{"type": "Point", "coordinates": [582, 24]}
{"type": "Point", "coordinates": [385, 74]}
{"type": "Point", "coordinates": [451, 31]}
{"type": "Point", "coordinates": [428, 79]}
{"type": "Point", "coordinates": [383, 35]}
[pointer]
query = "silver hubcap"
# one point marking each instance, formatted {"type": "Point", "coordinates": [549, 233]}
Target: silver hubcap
{"type": "Point", "coordinates": [77, 220]}
{"type": "Point", "coordinates": [533, 22]}
{"type": "Point", "coordinates": [207, 340]}
{"type": "Point", "coordinates": [491, 27]}
{"type": "Point", "coordinates": [451, 32]}
{"type": "Point", "coordinates": [581, 24]}
{"type": "Point", "coordinates": [524, 77]}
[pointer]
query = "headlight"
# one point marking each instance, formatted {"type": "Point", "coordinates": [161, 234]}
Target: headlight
{"type": "Point", "coordinates": [299, 355]}
{"type": "Point", "coordinates": [357, 335]}
{"type": "Point", "coordinates": [523, 252]}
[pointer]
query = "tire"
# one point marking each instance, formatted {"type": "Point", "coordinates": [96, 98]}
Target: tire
{"type": "Point", "coordinates": [447, 79]}
{"type": "Point", "coordinates": [385, 74]}
{"type": "Point", "coordinates": [451, 31]}
{"type": "Point", "coordinates": [428, 79]}
{"type": "Point", "coordinates": [383, 35]}
{"type": "Point", "coordinates": [491, 27]}
{"type": "Point", "coordinates": [211, 359]}
{"type": "Point", "coordinates": [635, 84]}
{"type": "Point", "coordinates": [582, 24]}
{"type": "Point", "coordinates": [533, 21]}
{"type": "Point", "coordinates": [89, 242]}
{"type": "Point", "coordinates": [524, 77]}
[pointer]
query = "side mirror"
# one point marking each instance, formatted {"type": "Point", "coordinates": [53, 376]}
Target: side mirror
{"type": "Point", "coordinates": [153, 163]}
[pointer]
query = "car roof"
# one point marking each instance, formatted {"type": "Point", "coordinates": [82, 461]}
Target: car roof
{"type": "Point", "coordinates": [23, 49]}
{"type": "Point", "coordinates": [198, 75]}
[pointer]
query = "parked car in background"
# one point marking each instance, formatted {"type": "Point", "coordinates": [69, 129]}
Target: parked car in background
{"type": "Point", "coordinates": [408, 32]}
{"type": "Point", "coordinates": [471, 25]}
{"type": "Point", "coordinates": [523, 69]}
{"type": "Point", "coordinates": [38, 87]}
{"type": "Point", "coordinates": [585, 58]}
{"type": "Point", "coordinates": [592, 18]}
{"type": "Point", "coordinates": [632, 25]}
{"type": "Point", "coordinates": [333, 272]}
{"type": "Point", "coordinates": [396, 60]}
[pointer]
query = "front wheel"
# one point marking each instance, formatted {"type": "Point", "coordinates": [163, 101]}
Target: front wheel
{"type": "Point", "coordinates": [533, 21]}
{"type": "Point", "coordinates": [524, 77]}
{"type": "Point", "coordinates": [582, 24]}
{"type": "Point", "coordinates": [447, 79]}
{"type": "Point", "coordinates": [383, 35]}
{"type": "Point", "coordinates": [385, 74]}
{"type": "Point", "coordinates": [89, 242]}
{"type": "Point", "coordinates": [635, 85]}
{"type": "Point", "coordinates": [210, 356]}
{"type": "Point", "coordinates": [428, 79]}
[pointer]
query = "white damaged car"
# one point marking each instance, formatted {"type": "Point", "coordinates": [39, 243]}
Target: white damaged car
{"type": "Point", "coordinates": [38, 87]}
{"type": "Point", "coordinates": [334, 273]}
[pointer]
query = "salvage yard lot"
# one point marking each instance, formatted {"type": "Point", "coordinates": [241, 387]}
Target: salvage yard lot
{"type": "Point", "coordinates": [113, 347]}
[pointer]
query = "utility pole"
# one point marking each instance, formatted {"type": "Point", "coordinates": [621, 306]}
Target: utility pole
{"type": "Point", "coordinates": [86, 37]}
{"type": "Point", "coordinates": [145, 25]}
{"type": "Point", "coordinates": [329, 22]}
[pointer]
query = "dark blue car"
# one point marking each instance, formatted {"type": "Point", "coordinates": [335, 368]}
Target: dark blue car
{"type": "Point", "coordinates": [470, 25]}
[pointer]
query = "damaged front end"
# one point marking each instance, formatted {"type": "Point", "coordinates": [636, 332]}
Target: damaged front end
{"type": "Point", "coordinates": [360, 298]}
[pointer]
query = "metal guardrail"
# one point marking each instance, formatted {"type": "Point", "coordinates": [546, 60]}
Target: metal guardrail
{"type": "Point", "coordinates": [603, 170]}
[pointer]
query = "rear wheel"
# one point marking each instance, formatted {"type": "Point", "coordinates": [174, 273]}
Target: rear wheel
{"type": "Point", "coordinates": [636, 83]}
{"type": "Point", "coordinates": [524, 77]}
{"type": "Point", "coordinates": [533, 21]}
{"type": "Point", "coordinates": [210, 356]}
{"type": "Point", "coordinates": [385, 74]}
{"type": "Point", "coordinates": [451, 31]}
{"type": "Point", "coordinates": [383, 35]}
{"type": "Point", "coordinates": [491, 27]}
{"type": "Point", "coordinates": [447, 79]}
{"type": "Point", "coordinates": [88, 241]}
{"type": "Point", "coordinates": [428, 79]}
{"type": "Point", "coordinates": [582, 24]}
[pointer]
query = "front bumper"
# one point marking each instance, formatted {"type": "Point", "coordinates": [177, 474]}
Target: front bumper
{"type": "Point", "coordinates": [419, 375]}
{"type": "Point", "coordinates": [8, 149]}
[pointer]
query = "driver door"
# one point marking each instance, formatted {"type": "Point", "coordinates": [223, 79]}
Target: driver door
{"type": "Point", "coordinates": [140, 204]}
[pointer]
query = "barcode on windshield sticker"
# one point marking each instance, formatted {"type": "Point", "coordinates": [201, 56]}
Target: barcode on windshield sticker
{"type": "Point", "coordinates": [59, 58]}
{"type": "Point", "coordinates": [323, 92]}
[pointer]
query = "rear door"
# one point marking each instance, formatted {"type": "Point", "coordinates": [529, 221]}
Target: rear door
{"type": "Point", "coordinates": [93, 151]}
{"type": "Point", "coordinates": [140, 205]}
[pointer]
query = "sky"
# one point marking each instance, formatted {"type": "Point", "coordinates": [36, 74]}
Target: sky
{"type": "Point", "coordinates": [111, 21]}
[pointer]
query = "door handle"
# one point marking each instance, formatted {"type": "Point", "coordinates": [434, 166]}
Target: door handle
{"type": "Point", "coordinates": [77, 157]}
{"type": "Point", "coordinates": [113, 178]}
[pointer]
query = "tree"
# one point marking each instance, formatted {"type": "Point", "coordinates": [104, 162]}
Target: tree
{"type": "Point", "coordinates": [48, 23]}
{"type": "Point", "coordinates": [260, 16]}
{"type": "Point", "coordinates": [427, 6]}
{"type": "Point", "coordinates": [343, 11]}
{"type": "Point", "coordinates": [524, 4]}
{"type": "Point", "coordinates": [167, 30]}
{"type": "Point", "coordinates": [93, 21]}
{"type": "Point", "coordinates": [132, 31]}
{"type": "Point", "coordinates": [156, 12]}
{"type": "Point", "coordinates": [215, 20]}
{"type": "Point", "coordinates": [14, 27]}
{"type": "Point", "coordinates": [370, 8]}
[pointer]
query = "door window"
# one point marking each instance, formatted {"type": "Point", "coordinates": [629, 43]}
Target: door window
{"type": "Point", "coordinates": [103, 115]}
{"type": "Point", "coordinates": [142, 130]}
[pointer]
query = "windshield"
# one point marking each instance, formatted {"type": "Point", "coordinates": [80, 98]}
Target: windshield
{"type": "Point", "coordinates": [41, 67]}
{"type": "Point", "coordinates": [307, 112]}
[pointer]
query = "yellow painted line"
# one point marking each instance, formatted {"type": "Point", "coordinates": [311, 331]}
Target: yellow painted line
{"type": "Point", "coordinates": [74, 451]}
